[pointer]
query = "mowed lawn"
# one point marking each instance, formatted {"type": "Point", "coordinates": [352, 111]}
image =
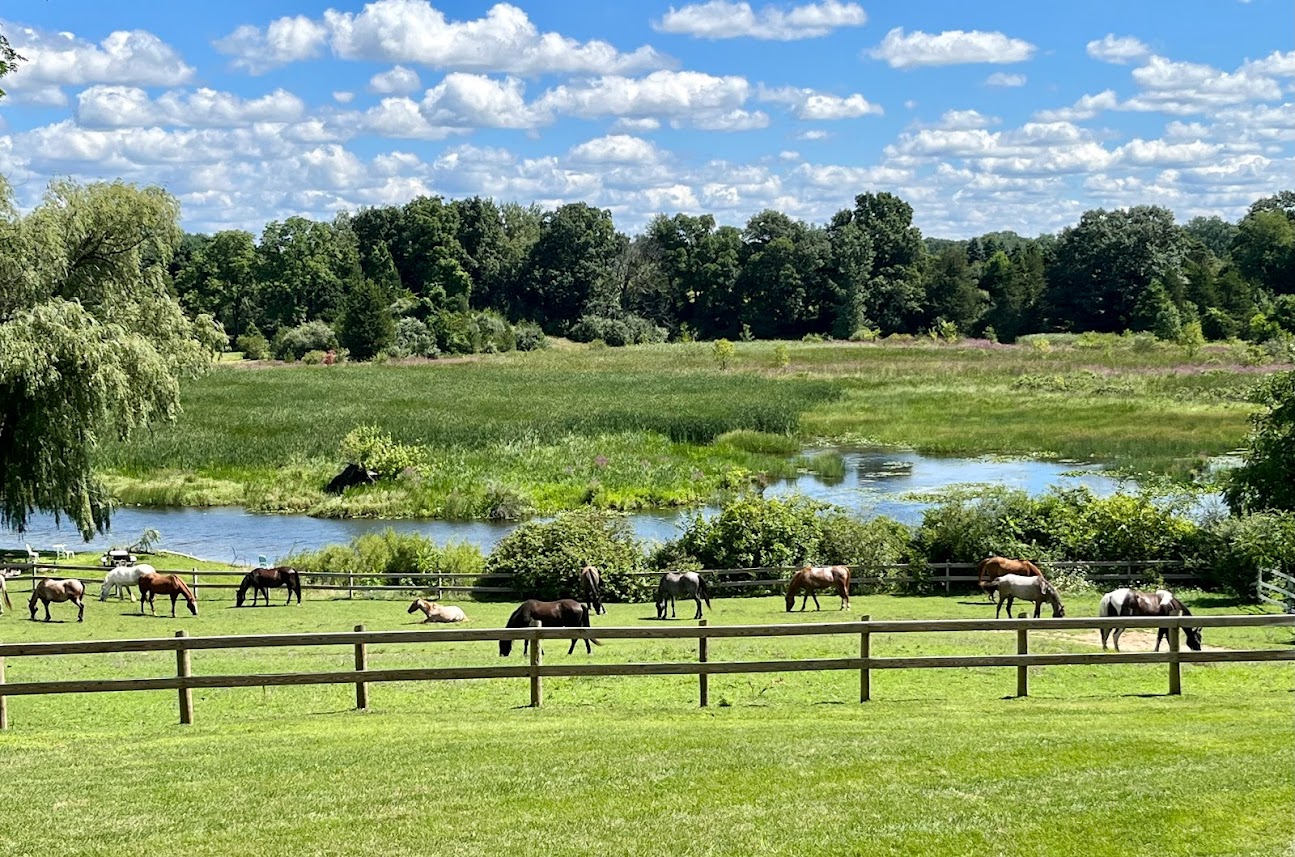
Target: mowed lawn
{"type": "Point", "coordinates": [942, 762]}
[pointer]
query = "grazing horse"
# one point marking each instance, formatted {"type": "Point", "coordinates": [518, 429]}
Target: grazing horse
{"type": "Point", "coordinates": [812, 578]}
{"type": "Point", "coordinates": [260, 580]}
{"type": "Point", "coordinates": [675, 584]}
{"type": "Point", "coordinates": [1012, 586]}
{"type": "Point", "coordinates": [123, 578]}
{"type": "Point", "coordinates": [47, 590]}
{"type": "Point", "coordinates": [437, 612]}
{"type": "Point", "coordinates": [4, 591]}
{"type": "Point", "coordinates": [567, 613]}
{"type": "Point", "coordinates": [997, 566]}
{"type": "Point", "coordinates": [152, 585]}
{"type": "Point", "coordinates": [591, 584]}
{"type": "Point", "coordinates": [1126, 602]}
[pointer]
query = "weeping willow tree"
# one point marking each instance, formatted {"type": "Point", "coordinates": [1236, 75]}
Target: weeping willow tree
{"type": "Point", "coordinates": [92, 343]}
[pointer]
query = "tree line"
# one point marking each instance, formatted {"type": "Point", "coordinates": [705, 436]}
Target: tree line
{"type": "Point", "coordinates": [451, 276]}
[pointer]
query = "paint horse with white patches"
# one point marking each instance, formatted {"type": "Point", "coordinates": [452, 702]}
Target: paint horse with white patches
{"type": "Point", "coordinates": [1012, 586]}
{"type": "Point", "coordinates": [1127, 602]}
{"type": "Point", "coordinates": [123, 578]}
{"type": "Point", "coordinates": [437, 612]}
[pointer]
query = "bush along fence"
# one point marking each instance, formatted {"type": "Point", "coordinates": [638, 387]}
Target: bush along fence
{"type": "Point", "coordinates": [948, 577]}
{"type": "Point", "coordinates": [185, 680]}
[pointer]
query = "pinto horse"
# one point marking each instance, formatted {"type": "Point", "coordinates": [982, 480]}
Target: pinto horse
{"type": "Point", "coordinates": [1126, 602]}
{"type": "Point", "coordinates": [997, 566]}
{"type": "Point", "coordinates": [591, 584]}
{"type": "Point", "coordinates": [47, 590]}
{"type": "Point", "coordinates": [567, 613]}
{"type": "Point", "coordinates": [812, 578]}
{"type": "Point", "coordinates": [675, 584]}
{"type": "Point", "coordinates": [437, 612]}
{"type": "Point", "coordinates": [260, 580]}
{"type": "Point", "coordinates": [152, 585]}
{"type": "Point", "coordinates": [1027, 588]}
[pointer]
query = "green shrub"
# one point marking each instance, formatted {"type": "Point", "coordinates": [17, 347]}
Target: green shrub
{"type": "Point", "coordinates": [865, 334]}
{"type": "Point", "coordinates": [1233, 551]}
{"type": "Point", "coordinates": [414, 339]}
{"type": "Point", "coordinates": [253, 345]}
{"type": "Point", "coordinates": [369, 446]}
{"type": "Point", "coordinates": [722, 351]}
{"type": "Point", "coordinates": [530, 336]}
{"type": "Point", "coordinates": [387, 558]}
{"type": "Point", "coordinates": [754, 532]}
{"type": "Point", "coordinates": [313, 358]}
{"type": "Point", "coordinates": [293, 343]}
{"type": "Point", "coordinates": [781, 358]}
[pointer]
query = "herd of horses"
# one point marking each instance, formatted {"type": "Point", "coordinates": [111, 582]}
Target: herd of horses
{"type": "Point", "coordinates": [1004, 580]}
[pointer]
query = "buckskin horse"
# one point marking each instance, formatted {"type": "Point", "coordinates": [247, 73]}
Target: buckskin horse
{"type": "Point", "coordinates": [1127, 602]}
{"type": "Point", "coordinates": [260, 580]}
{"type": "Point", "coordinates": [812, 578]}
{"type": "Point", "coordinates": [997, 566]}
{"type": "Point", "coordinates": [1012, 586]}
{"type": "Point", "coordinates": [591, 585]}
{"type": "Point", "coordinates": [152, 585]}
{"type": "Point", "coordinates": [48, 589]}
{"type": "Point", "coordinates": [677, 584]}
{"type": "Point", "coordinates": [567, 613]}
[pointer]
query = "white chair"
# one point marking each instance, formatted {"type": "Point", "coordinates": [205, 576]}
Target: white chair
{"type": "Point", "coordinates": [61, 552]}
{"type": "Point", "coordinates": [32, 556]}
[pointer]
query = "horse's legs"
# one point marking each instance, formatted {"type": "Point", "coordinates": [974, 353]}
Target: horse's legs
{"type": "Point", "coordinates": [1116, 638]}
{"type": "Point", "coordinates": [1038, 607]}
{"type": "Point", "coordinates": [673, 614]}
{"type": "Point", "coordinates": [47, 611]}
{"type": "Point", "coordinates": [571, 648]}
{"type": "Point", "coordinates": [80, 609]}
{"type": "Point", "coordinates": [1161, 634]}
{"type": "Point", "coordinates": [1106, 632]}
{"type": "Point", "coordinates": [697, 598]}
{"type": "Point", "coordinates": [814, 594]}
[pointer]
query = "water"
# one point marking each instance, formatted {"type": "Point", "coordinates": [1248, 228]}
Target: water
{"type": "Point", "coordinates": [876, 482]}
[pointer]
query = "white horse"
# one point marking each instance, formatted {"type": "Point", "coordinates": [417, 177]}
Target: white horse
{"type": "Point", "coordinates": [1126, 602]}
{"type": "Point", "coordinates": [1036, 589]}
{"type": "Point", "coordinates": [4, 591]}
{"type": "Point", "coordinates": [437, 612]}
{"type": "Point", "coordinates": [124, 578]}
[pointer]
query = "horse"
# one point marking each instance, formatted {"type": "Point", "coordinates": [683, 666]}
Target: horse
{"type": "Point", "coordinates": [567, 613]}
{"type": "Point", "coordinates": [262, 579]}
{"type": "Point", "coordinates": [812, 578]}
{"type": "Point", "coordinates": [152, 585]}
{"type": "Point", "coordinates": [48, 589]}
{"type": "Point", "coordinates": [591, 584]}
{"type": "Point", "coordinates": [675, 584]}
{"type": "Point", "coordinates": [997, 566]}
{"type": "Point", "coordinates": [437, 612]}
{"type": "Point", "coordinates": [1012, 586]}
{"type": "Point", "coordinates": [1126, 602]}
{"type": "Point", "coordinates": [4, 591]}
{"type": "Point", "coordinates": [123, 578]}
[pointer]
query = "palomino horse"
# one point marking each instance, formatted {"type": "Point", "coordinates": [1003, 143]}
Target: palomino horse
{"type": "Point", "coordinates": [567, 613]}
{"type": "Point", "coordinates": [1126, 602]}
{"type": "Point", "coordinates": [812, 578]}
{"type": "Point", "coordinates": [591, 586]}
{"type": "Point", "coordinates": [437, 612]}
{"type": "Point", "coordinates": [676, 584]}
{"type": "Point", "coordinates": [152, 585]}
{"type": "Point", "coordinates": [123, 578]}
{"type": "Point", "coordinates": [260, 580]}
{"type": "Point", "coordinates": [4, 591]}
{"type": "Point", "coordinates": [997, 566]}
{"type": "Point", "coordinates": [1012, 586]}
{"type": "Point", "coordinates": [47, 590]}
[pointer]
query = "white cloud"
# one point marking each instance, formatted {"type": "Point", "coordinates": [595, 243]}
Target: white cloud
{"type": "Point", "coordinates": [1158, 153]}
{"type": "Point", "coordinates": [283, 41]}
{"type": "Point", "coordinates": [952, 47]}
{"type": "Point", "coordinates": [720, 19]}
{"type": "Point", "coordinates": [54, 60]}
{"type": "Point", "coordinates": [813, 134]}
{"type": "Point", "coordinates": [1120, 50]}
{"type": "Point", "coordinates": [1002, 78]}
{"type": "Point", "coordinates": [1086, 107]}
{"type": "Point", "coordinates": [396, 81]}
{"type": "Point", "coordinates": [616, 149]}
{"type": "Point", "coordinates": [810, 104]}
{"type": "Point", "coordinates": [131, 107]}
{"type": "Point", "coordinates": [476, 101]}
{"type": "Point", "coordinates": [1276, 64]}
{"type": "Point", "coordinates": [966, 119]}
{"type": "Point", "coordinates": [1183, 87]}
{"type": "Point", "coordinates": [646, 123]}
{"type": "Point", "coordinates": [682, 97]}
{"type": "Point", "coordinates": [343, 96]}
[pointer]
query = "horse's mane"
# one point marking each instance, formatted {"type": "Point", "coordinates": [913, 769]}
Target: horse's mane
{"type": "Point", "coordinates": [518, 619]}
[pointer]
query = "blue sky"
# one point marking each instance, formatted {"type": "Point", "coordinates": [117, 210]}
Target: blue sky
{"type": "Point", "coordinates": [984, 116]}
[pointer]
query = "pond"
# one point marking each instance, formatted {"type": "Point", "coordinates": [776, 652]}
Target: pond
{"type": "Point", "coordinates": [875, 482]}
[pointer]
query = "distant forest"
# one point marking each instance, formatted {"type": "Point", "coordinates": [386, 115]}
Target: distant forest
{"type": "Point", "coordinates": [436, 276]}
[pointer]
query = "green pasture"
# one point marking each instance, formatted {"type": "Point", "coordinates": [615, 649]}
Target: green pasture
{"type": "Point", "coordinates": [649, 426]}
{"type": "Point", "coordinates": [942, 762]}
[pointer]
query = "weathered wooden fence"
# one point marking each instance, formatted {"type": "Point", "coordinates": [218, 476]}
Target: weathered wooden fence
{"type": "Point", "coordinates": [1276, 588]}
{"type": "Point", "coordinates": [185, 681]}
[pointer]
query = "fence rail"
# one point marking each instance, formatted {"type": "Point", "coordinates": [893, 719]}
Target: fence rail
{"type": "Point", "coordinates": [362, 676]}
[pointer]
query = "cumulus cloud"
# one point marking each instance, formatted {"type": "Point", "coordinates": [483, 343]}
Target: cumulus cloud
{"type": "Point", "coordinates": [683, 97]}
{"type": "Point", "coordinates": [616, 149]}
{"type": "Point", "coordinates": [952, 47]}
{"type": "Point", "coordinates": [54, 60]}
{"type": "Point", "coordinates": [810, 104]}
{"type": "Point", "coordinates": [1120, 50]}
{"type": "Point", "coordinates": [477, 101]}
{"type": "Point", "coordinates": [1001, 78]}
{"type": "Point", "coordinates": [130, 107]}
{"type": "Point", "coordinates": [396, 81]}
{"type": "Point", "coordinates": [721, 19]}
{"type": "Point", "coordinates": [286, 40]}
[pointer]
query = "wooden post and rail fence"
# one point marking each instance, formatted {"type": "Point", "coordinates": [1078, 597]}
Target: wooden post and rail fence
{"type": "Point", "coordinates": [185, 680]}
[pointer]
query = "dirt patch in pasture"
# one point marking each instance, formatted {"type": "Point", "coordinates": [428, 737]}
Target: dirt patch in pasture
{"type": "Point", "coordinates": [1132, 640]}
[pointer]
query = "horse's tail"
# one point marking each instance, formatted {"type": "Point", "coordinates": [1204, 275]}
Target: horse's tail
{"type": "Point", "coordinates": [584, 623]}
{"type": "Point", "coordinates": [1107, 606]}
{"type": "Point", "coordinates": [982, 571]}
{"type": "Point", "coordinates": [294, 583]}
{"type": "Point", "coordinates": [703, 590]}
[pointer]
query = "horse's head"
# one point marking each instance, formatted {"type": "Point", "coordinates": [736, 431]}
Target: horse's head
{"type": "Point", "coordinates": [414, 606]}
{"type": "Point", "coordinates": [193, 606]}
{"type": "Point", "coordinates": [505, 648]}
{"type": "Point", "coordinates": [1193, 638]}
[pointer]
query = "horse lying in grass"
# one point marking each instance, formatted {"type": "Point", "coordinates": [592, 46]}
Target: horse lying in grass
{"type": "Point", "coordinates": [1126, 602]}
{"type": "Point", "coordinates": [812, 578]}
{"type": "Point", "coordinates": [437, 612]}
{"type": "Point", "coordinates": [261, 580]}
{"type": "Point", "coordinates": [48, 589]}
{"type": "Point", "coordinates": [1012, 586]}
{"type": "Point", "coordinates": [152, 585]}
{"type": "Point", "coordinates": [567, 613]}
{"type": "Point", "coordinates": [123, 579]}
{"type": "Point", "coordinates": [591, 588]}
{"type": "Point", "coordinates": [997, 566]}
{"type": "Point", "coordinates": [675, 584]}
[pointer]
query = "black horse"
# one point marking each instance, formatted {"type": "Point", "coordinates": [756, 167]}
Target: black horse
{"type": "Point", "coordinates": [262, 579]}
{"type": "Point", "coordinates": [567, 613]}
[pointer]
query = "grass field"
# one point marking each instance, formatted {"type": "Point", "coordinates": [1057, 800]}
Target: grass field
{"type": "Point", "coordinates": [1095, 762]}
{"type": "Point", "coordinates": [637, 427]}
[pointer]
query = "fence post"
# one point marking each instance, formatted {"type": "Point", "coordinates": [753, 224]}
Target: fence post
{"type": "Point", "coordinates": [537, 690]}
{"type": "Point", "coordinates": [183, 671]}
{"type": "Point", "coordinates": [4, 700]}
{"type": "Point", "coordinates": [350, 584]}
{"type": "Point", "coordinates": [947, 582]}
{"type": "Point", "coordinates": [361, 664]}
{"type": "Point", "coordinates": [703, 655]}
{"type": "Point", "coordinates": [1175, 666]}
{"type": "Point", "coordinates": [1022, 671]}
{"type": "Point", "coordinates": [440, 591]}
{"type": "Point", "coordinates": [195, 583]}
{"type": "Point", "coordinates": [865, 654]}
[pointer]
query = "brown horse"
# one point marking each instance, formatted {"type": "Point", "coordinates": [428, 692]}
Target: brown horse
{"type": "Point", "coordinates": [997, 566]}
{"type": "Point", "coordinates": [591, 583]}
{"type": "Point", "coordinates": [567, 613]}
{"type": "Point", "coordinates": [47, 590]}
{"type": "Point", "coordinates": [260, 580]}
{"type": "Point", "coordinates": [152, 585]}
{"type": "Point", "coordinates": [812, 578]}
